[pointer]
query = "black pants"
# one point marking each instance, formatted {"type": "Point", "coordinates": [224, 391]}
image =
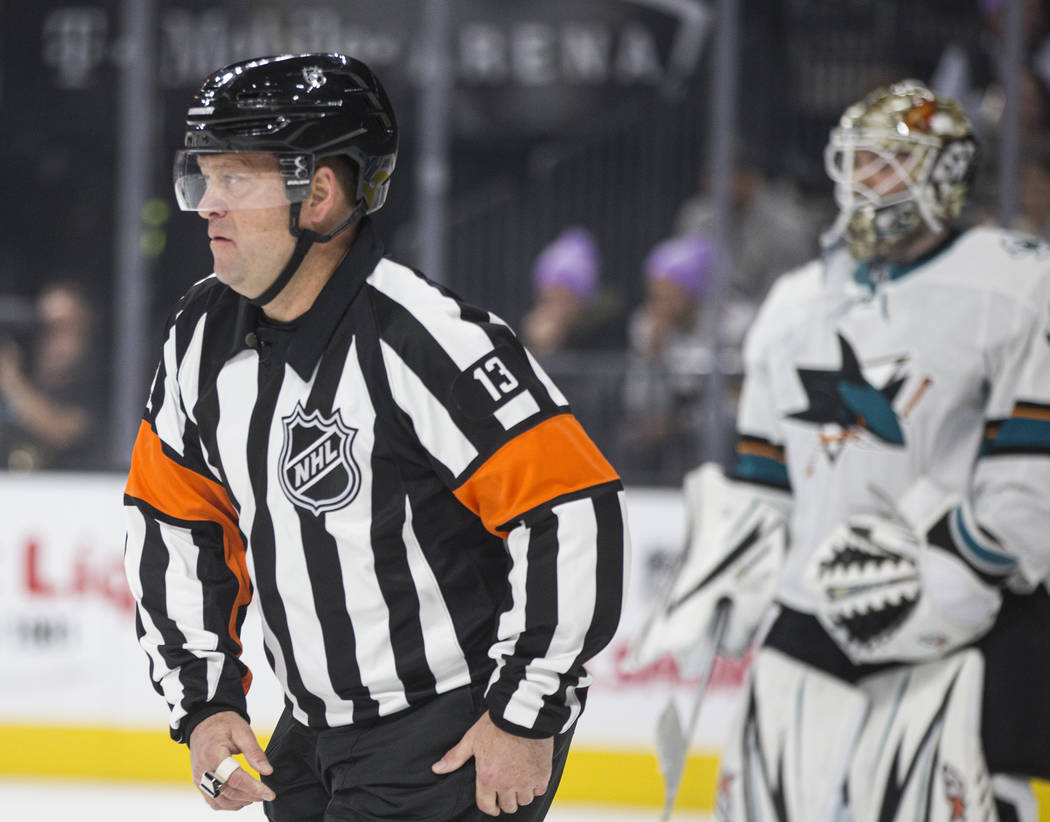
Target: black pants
{"type": "Point", "coordinates": [382, 771]}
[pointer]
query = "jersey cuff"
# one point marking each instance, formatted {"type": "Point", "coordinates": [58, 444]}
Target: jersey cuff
{"type": "Point", "coordinates": [185, 729]}
{"type": "Point", "coordinates": [538, 712]}
{"type": "Point", "coordinates": [944, 520]}
{"type": "Point", "coordinates": [518, 730]}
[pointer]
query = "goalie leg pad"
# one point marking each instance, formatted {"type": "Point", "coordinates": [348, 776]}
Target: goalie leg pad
{"type": "Point", "coordinates": [920, 754]}
{"type": "Point", "coordinates": [788, 752]}
{"type": "Point", "coordinates": [1014, 799]}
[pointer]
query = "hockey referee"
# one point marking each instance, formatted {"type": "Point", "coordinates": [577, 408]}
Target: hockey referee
{"type": "Point", "coordinates": [435, 545]}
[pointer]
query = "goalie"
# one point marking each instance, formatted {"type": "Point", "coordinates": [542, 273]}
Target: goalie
{"type": "Point", "coordinates": [895, 425]}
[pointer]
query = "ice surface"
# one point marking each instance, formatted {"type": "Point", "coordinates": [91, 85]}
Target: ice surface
{"type": "Point", "coordinates": [51, 801]}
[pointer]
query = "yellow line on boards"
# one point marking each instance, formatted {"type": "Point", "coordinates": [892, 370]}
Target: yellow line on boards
{"type": "Point", "coordinates": [92, 753]}
{"type": "Point", "coordinates": [621, 777]}
{"type": "Point", "coordinates": [627, 777]}
{"type": "Point", "coordinates": [632, 777]}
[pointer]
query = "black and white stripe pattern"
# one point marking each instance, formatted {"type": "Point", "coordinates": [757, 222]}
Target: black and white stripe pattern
{"type": "Point", "coordinates": [377, 603]}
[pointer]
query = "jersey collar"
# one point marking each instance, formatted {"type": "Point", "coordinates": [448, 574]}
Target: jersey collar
{"type": "Point", "coordinates": [871, 275]}
{"type": "Point", "coordinates": [301, 343]}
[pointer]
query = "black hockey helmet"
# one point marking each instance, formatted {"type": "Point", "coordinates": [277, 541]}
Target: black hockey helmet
{"type": "Point", "coordinates": [300, 108]}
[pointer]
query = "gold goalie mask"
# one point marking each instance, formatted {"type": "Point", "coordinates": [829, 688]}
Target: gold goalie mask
{"type": "Point", "coordinates": [902, 161]}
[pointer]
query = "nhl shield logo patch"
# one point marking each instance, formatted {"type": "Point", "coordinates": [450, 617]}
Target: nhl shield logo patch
{"type": "Point", "coordinates": [317, 468]}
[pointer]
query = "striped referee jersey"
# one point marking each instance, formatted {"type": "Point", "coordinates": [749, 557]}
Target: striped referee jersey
{"type": "Point", "coordinates": [396, 482]}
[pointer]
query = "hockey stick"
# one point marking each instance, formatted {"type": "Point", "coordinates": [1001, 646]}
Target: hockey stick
{"type": "Point", "coordinates": [672, 743]}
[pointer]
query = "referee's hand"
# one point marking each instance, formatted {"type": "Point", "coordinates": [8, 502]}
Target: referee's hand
{"type": "Point", "coordinates": [217, 737]}
{"type": "Point", "coordinates": [511, 770]}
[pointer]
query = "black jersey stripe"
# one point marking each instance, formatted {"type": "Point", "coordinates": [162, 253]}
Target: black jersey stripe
{"type": "Point", "coordinates": [193, 671]}
{"type": "Point", "coordinates": [471, 568]}
{"type": "Point", "coordinates": [540, 511]}
{"type": "Point", "coordinates": [191, 456]}
{"type": "Point", "coordinates": [184, 329]}
{"type": "Point", "coordinates": [414, 343]}
{"type": "Point", "coordinates": [156, 396]}
{"type": "Point", "coordinates": [191, 459]}
{"type": "Point", "coordinates": [264, 548]}
{"type": "Point", "coordinates": [541, 590]}
{"type": "Point", "coordinates": [140, 633]}
{"type": "Point", "coordinates": [399, 463]}
{"type": "Point", "coordinates": [609, 519]}
{"type": "Point", "coordinates": [222, 609]}
{"type": "Point", "coordinates": [374, 570]}
{"type": "Point", "coordinates": [609, 515]}
{"type": "Point", "coordinates": [389, 551]}
{"type": "Point", "coordinates": [470, 564]}
{"type": "Point", "coordinates": [471, 313]}
{"type": "Point", "coordinates": [442, 377]}
{"type": "Point", "coordinates": [323, 565]}
{"type": "Point", "coordinates": [540, 606]}
{"type": "Point", "coordinates": [501, 335]}
{"type": "Point", "coordinates": [207, 413]}
{"type": "Point", "coordinates": [395, 578]}
{"type": "Point", "coordinates": [220, 603]}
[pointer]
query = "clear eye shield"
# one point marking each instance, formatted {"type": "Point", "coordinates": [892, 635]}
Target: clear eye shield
{"type": "Point", "coordinates": [878, 168]}
{"type": "Point", "coordinates": [234, 181]}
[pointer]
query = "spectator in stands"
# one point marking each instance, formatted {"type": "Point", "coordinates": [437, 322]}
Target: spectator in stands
{"type": "Point", "coordinates": [576, 329]}
{"type": "Point", "coordinates": [775, 227]}
{"type": "Point", "coordinates": [51, 401]}
{"type": "Point", "coordinates": [972, 72]}
{"type": "Point", "coordinates": [669, 358]}
{"type": "Point", "coordinates": [1034, 191]}
{"type": "Point", "coordinates": [571, 311]}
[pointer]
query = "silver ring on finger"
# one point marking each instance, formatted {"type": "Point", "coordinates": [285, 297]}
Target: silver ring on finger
{"type": "Point", "coordinates": [213, 783]}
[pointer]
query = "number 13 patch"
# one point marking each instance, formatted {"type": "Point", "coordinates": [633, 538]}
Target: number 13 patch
{"type": "Point", "coordinates": [494, 385]}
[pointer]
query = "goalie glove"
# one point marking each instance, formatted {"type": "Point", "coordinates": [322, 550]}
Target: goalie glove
{"type": "Point", "coordinates": [884, 593]}
{"type": "Point", "coordinates": [735, 551]}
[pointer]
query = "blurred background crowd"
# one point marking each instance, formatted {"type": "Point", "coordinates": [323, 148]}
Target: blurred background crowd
{"type": "Point", "coordinates": [620, 180]}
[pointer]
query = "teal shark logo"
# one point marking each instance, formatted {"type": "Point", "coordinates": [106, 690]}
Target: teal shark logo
{"type": "Point", "coordinates": [845, 398]}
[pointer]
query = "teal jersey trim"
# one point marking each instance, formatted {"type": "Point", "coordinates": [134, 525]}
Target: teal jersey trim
{"type": "Point", "coordinates": [995, 559]}
{"type": "Point", "coordinates": [761, 470]}
{"type": "Point", "coordinates": [870, 275]}
{"type": "Point", "coordinates": [1019, 435]}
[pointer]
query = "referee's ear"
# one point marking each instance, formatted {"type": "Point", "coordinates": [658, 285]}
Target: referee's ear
{"type": "Point", "coordinates": [326, 204]}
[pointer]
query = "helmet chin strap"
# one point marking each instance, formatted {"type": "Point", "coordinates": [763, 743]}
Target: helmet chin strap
{"type": "Point", "coordinates": [303, 244]}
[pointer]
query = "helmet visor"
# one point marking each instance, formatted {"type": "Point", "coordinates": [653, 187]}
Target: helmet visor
{"type": "Point", "coordinates": [235, 181]}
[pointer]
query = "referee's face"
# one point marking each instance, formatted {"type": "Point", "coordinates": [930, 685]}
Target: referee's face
{"type": "Point", "coordinates": [249, 245]}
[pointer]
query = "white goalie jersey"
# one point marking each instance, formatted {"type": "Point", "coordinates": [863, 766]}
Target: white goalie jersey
{"type": "Point", "coordinates": [862, 382]}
